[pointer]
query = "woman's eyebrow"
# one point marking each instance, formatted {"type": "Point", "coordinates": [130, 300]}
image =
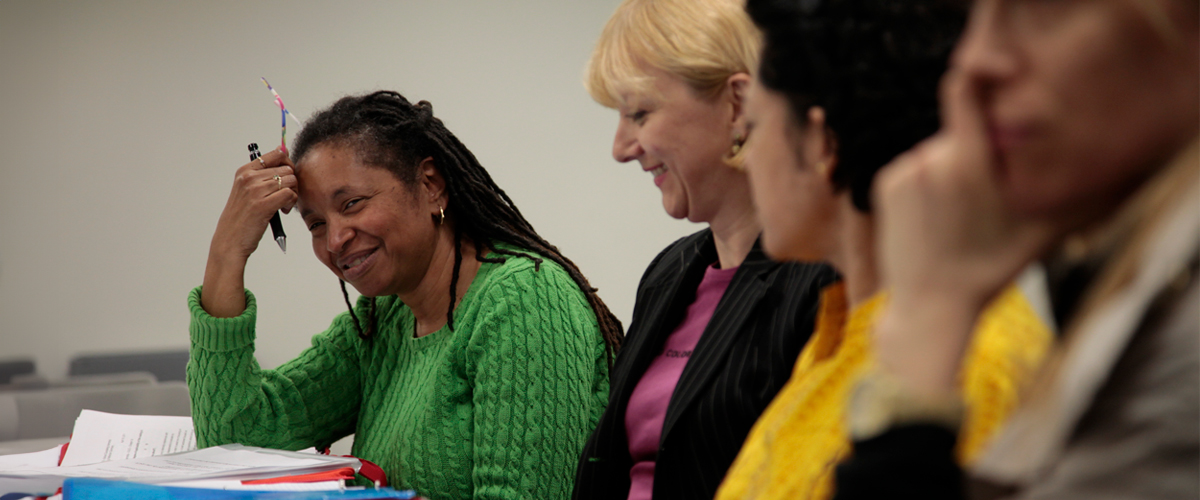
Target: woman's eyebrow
{"type": "Point", "coordinates": [337, 193]}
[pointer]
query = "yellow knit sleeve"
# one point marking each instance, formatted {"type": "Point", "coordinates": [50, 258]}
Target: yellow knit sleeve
{"type": "Point", "coordinates": [1009, 345]}
{"type": "Point", "coordinates": [793, 448]}
{"type": "Point", "coordinates": [800, 438]}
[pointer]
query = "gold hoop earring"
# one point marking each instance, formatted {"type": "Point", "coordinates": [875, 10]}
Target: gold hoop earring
{"type": "Point", "coordinates": [737, 145]}
{"type": "Point", "coordinates": [441, 216]}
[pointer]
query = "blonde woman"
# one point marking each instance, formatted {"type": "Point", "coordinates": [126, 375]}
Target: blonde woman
{"type": "Point", "coordinates": [717, 326]}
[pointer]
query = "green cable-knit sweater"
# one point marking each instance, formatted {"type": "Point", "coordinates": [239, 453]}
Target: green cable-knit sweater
{"type": "Point", "coordinates": [500, 407]}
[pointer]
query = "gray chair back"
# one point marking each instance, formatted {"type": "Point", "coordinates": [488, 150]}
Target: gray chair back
{"type": "Point", "coordinates": [165, 365]}
{"type": "Point", "coordinates": [10, 368]}
{"type": "Point", "coordinates": [52, 412]}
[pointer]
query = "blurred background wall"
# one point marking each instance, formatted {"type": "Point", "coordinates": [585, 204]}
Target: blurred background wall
{"type": "Point", "coordinates": [121, 123]}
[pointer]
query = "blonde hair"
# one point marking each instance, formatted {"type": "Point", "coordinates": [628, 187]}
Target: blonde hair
{"type": "Point", "coordinates": [702, 42]}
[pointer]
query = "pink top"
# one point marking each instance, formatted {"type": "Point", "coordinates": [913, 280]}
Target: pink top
{"type": "Point", "coordinates": [648, 403]}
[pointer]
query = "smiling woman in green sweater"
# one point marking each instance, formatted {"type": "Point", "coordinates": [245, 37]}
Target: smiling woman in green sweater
{"type": "Point", "coordinates": [474, 365]}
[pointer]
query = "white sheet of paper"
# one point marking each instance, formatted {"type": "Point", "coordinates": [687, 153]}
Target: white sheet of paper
{"type": "Point", "coordinates": [233, 484]}
{"type": "Point", "coordinates": [242, 462]}
{"type": "Point", "coordinates": [101, 437]}
{"type": "Point", "coordinates": [201, 463]}
{"type": "Point", "coordinates": [47, 458]}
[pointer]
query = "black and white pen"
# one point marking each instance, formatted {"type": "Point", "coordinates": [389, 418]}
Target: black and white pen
{"type": "Point", "coordinates": [276, 221]}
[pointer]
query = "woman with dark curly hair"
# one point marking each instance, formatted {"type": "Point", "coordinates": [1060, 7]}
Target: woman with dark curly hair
{"type": "Point", "coordinates": [475, 363]}
{"type": "Point", "coordinates": [843, 87]}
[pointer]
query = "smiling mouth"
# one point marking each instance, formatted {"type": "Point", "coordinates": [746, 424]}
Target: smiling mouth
{"type": "Point", "coordinates": [657, 171]}
{"type": "Point", "coordinates": [352, 268]}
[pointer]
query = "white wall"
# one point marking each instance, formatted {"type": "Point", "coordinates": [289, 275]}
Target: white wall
{"type": "Point", "coordinates": [121, 123]}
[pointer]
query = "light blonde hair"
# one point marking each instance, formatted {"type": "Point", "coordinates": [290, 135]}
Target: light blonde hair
{"type": "Point", "coordinates": [702, 42]}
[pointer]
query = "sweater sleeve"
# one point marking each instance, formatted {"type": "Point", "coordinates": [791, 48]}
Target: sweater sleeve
{"type": "Point", "coordinates": [535, 356]}
{"type": "Point", "coordinates": [909, 461]}
{"type": "Point", "coordinates": [312, 400]}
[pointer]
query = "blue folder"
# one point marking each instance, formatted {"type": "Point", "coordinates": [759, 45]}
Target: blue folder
{"type": "Point", "coordinates": [103, 489]}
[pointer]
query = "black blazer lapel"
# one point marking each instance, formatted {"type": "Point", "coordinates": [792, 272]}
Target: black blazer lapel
{"type": "Point", "coordinates": [641, 348]}
{"type": "Point", "coordinates": [744, 293]}
{"type": "Point", "coordinates": [667, 299]}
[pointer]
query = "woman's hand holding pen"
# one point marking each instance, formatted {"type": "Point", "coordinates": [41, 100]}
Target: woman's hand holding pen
{"type": "Point", "coordinates": [260, 188]}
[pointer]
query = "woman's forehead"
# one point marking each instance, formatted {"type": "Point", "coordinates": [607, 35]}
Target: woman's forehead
{"type": "Point", "coordinates": [332, 171]}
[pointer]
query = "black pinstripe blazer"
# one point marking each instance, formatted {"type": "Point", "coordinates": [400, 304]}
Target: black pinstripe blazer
{"type": "Point", "coordinates": [743, 358]}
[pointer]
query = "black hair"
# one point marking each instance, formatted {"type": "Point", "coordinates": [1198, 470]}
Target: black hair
{"type": "Point", "coordinates": [872, 65]}
{"type": "Point", "coordinates": [388, 131]}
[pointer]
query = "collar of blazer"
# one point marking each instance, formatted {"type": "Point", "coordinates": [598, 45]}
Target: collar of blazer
{"type": "Point", "coordinates": [670, 289]}
{"type": "Point", "coordinates": [1157, 234]}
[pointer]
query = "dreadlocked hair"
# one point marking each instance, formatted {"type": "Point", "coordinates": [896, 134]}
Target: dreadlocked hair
{"type": "Point", "coordinates": [388, 131]}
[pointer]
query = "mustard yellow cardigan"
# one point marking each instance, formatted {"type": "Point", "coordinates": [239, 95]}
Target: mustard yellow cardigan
{"type": "Point", "coordinates": [794, 446]}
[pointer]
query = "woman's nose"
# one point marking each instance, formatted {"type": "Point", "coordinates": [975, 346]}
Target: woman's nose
{"type": "Point", "coordinates": [338, 235]}
{"type": "Point", "coordinates": [985, 52]}
{"type": "Point", "coordinates": [625, 144]}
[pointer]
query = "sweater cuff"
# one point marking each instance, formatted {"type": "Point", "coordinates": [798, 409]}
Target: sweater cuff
{"type": "Point", "coordinates": [221, 334]}
{"type": "Point", "coordinates": [908, 461]}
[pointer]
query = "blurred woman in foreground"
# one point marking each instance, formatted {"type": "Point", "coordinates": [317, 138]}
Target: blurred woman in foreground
{"type": "Point", "coordinates": [1069, 135]}
{"type": "Point", "coordinates": [843, 87]}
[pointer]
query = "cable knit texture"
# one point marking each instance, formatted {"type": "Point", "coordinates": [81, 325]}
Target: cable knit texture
{"type": "Point", "coordinates": [498, 408]}
{"type": "Point", "coordinates": [793, 448]}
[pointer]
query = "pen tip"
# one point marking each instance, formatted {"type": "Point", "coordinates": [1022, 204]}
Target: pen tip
{"type": "Point", "coordinates": [282, 243]}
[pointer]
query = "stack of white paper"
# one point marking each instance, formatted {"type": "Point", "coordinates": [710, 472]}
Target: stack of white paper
{"type": "Point", "coordinates": [103, 437]}
{"type": "Point", "coordinates": [151, 449]}
{"type": "Point", "coordinates": [230, 461]}
{"type": "Point", "coordinates": [47, 458]}
{"type": "Point", "coordinates": [237, 485]}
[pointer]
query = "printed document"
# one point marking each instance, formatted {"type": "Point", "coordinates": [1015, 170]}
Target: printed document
{"type": "Point", "coordinates": [101, 437]}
